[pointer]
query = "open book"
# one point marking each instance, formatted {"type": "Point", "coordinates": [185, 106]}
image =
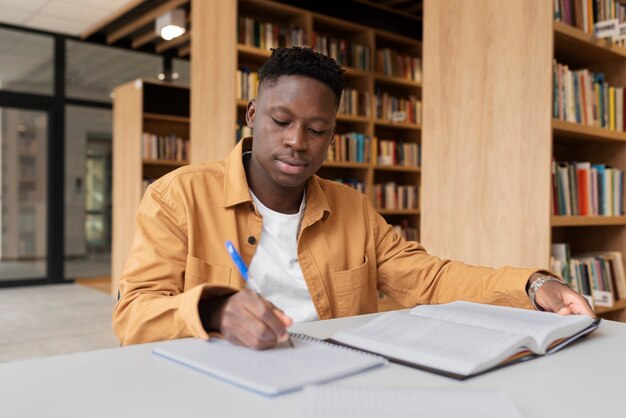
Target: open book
{"type": "Point", "coordinates": [462, 339]}
{"type": "Point", "coordinates": [270, 372]}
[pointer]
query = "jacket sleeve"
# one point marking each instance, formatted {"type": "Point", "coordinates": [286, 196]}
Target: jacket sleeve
{"type": "Point", "coordinates": [153, 304]}
{"type": "Point", "coordinates": [411, 276]}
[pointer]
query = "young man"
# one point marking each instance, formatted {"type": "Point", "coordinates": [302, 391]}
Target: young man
{"type": "Point", "coordinates": [316, 249]}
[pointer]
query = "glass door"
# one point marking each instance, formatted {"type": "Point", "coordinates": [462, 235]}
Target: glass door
{"type": "Point", "coordinates": [23, 193]}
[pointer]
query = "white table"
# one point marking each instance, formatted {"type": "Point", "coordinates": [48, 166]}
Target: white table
{"type": "Point", "coordinates": [586, 379]}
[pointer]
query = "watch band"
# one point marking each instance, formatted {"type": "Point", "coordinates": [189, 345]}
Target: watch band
{"type": "Point", "coordinates": [532, 290]}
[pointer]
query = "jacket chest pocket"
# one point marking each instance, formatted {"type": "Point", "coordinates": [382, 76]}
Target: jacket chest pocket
{"type": "Point", "coordinates": [354, 291]}
{"type": "Point", "coordinates": [199, 272]}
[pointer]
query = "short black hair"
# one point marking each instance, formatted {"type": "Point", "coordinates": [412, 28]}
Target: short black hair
{"type": "Point", "coordinates": [302, 61]}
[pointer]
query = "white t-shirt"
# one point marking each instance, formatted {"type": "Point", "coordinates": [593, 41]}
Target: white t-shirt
{"type": "Point", "coordinates": [275, 265]}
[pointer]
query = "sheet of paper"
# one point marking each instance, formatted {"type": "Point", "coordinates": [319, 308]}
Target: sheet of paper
{"type": "Point", "coordinates": [269, 371]}
{"type": "Point", "coordinates": [337, 401]}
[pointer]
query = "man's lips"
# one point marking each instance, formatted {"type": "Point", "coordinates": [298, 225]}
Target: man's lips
{"type": "Point", "coordinates": [290, 166]}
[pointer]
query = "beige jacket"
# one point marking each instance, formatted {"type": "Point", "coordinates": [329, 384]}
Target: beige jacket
{"type": "Point", "coordinates": [346, 250]}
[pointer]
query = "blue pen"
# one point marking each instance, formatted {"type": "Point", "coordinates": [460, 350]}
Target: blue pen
{"type": "Point", "coordinates": [241, 266]}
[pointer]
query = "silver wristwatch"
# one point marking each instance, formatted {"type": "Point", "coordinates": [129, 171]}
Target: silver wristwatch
{"type": "Point", "coordinates": [532, 290]}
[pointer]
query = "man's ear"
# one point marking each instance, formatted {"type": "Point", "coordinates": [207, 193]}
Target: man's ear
{"type": "Point", "coordinates": [250, 112]}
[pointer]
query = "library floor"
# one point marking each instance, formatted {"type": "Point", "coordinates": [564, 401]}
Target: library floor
{"type": "Point", "coordinates": [41, 321]}
{"type": "Point", "coordinates": [98, 265]}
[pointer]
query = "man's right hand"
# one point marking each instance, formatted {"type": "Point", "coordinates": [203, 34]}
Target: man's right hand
{"type": "Point", "coordinates": [246, 318]}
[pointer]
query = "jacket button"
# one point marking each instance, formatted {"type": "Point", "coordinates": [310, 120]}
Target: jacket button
{"type": "Point", "coordinates": [251, 240]}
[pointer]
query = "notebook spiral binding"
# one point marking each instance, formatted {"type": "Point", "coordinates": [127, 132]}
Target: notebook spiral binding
{"type": "Point", "coordinates": [332, 343]}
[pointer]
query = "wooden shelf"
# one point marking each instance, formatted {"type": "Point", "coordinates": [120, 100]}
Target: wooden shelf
{"type": "Point", "coordinates": [617, 306]}
{"type": "Point", "coordinates": [350, 118]}
{"type": "Point", "coordinates": [575, 131]}
{"type": "Point", "coordinates": [400, 125]}
{"type": "Point", "coordinates": [346, 164]}
{"type": "Point", "coordinates": [355, 72]}
{"type": "Point", "coordinates": [242, 103]}
{"type": "Point", "coordinates": [398, 168]}
{"type": "Point", "coordinates": [587, 220]}
{"type": "Point", "coordinates": [398, 211]}
{"type": "Point", "coordinates": [580, 48]}
{"type": "Point", "coordinates": [167, 118]}
{"type": "Point", "coordinates": [254, 52]}
{"type": "Point", "coordinates": [397, 81]}
{"type": "Point", "coordinates": [169, 163]}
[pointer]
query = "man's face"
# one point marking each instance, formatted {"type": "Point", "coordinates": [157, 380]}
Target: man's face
{"type": "Point", "coordinates": [293, 123]}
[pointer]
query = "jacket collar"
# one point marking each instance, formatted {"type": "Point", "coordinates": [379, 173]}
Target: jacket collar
{"type": "Point", "coordinates": [235, 182]}
{"type": "Point", "coordinates": [236, 188]}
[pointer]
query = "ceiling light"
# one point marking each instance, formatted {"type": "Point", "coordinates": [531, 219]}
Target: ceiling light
{"type": "Point", "coordinates": [171, 25]}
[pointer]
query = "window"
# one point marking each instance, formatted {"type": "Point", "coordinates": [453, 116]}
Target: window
{"type": "Point", "coordinates": [92, 71]}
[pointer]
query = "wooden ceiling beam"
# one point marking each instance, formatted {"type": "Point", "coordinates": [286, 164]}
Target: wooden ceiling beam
{"type": "Point", "coordinates": [184, 51]}
{"type": "Point", "coordinates": [145, 38]}
{"type": "Point", "coordinates": [143, 20]}
{"type": "Point", "coordinates": [417, 7]}
{"type": "Point", "coordinates": [164, 46]}
{"type": "Point", "coordinates": [391, 3]}
{"type": "Point", "coordinates": [390, 9]}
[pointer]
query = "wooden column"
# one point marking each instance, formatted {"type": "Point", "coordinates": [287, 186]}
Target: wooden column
{"type": "Point", "coordinates": [127, 166]}
{"type": "Point", "coordinates": [487, 131]}
{"type": "Point", "coordinates": [213, 67]}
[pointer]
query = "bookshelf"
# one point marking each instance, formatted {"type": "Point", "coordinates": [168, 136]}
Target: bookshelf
{"type": "Point", "coordinates": [213, 94]}
{"type": "Point", "coordinates": [579, 142]}
{"type": "Point", "coordinates": [142, 106]}
{"type": "Point", "coordinates": [489, 135]}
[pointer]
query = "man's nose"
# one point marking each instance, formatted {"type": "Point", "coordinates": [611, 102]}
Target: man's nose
{"type": "Point", "coordinates": [296, 138]}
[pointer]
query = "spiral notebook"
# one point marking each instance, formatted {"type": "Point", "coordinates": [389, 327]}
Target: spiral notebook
{"type": "Point", "coordinates": [270, 372]}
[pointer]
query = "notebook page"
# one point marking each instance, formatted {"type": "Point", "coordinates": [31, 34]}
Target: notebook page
{"type": "Point", "coordinates": [335, 401]}
{"type": "Point", "coordinates": [437, 344]}
{"type": "Point", "coordinates": [539, 325]}
{"type": "Point", "coordinates": [272, 371]}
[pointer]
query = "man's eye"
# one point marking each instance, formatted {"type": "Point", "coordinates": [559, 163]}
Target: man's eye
{"type": "Point", "coordinates": [316, 132]}
{"type": "Point", "coordinates": [280, 122]}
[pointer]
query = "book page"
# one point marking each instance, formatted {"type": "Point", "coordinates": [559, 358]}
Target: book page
{"type": "Point", "coordinates": [336, 401]}
{"type": "Point", "coordinates": [543, 327]}
{"type": "Point", "coordinates": [442, 345]}
{"type": "Point", "coordinates": [269, 371]}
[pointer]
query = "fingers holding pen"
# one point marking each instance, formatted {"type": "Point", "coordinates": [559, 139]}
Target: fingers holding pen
{"type": "Point", "coordinates": [250, 320]}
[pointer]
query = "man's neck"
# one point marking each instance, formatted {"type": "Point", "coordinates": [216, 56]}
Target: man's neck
{"type": "Point", "coordinates": [282, 200]}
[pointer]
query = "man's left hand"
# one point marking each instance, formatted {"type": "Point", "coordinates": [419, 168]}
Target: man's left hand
{"type": "Point", "coordinates": [556, 297]}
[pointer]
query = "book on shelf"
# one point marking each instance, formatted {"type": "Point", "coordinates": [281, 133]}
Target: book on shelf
{"type": "Point", "coordinates": [164, 147]}
{"type": "Point", "coordinates": [345, 52]}
{"type": "Point", "coordinates": [354, 103]}
{"type": "Point", "coordinates": [398, 109]}
{"type": "Point", "coordinates": [584, 97]}
{"type": "Point", "coordinates": [352, 147]}
{"type": "Point", "coordinates": [597, 275]}
{"type": "Point", "coordinates": [390, 195]}
{"type": "Point", "coordinates": [464, 339]}
{"type": "Point", "coordinates": [397, 152]}
{"type": "Point", "coordinates": [357, 185]}
{"type": "Point", "coordinates": [397, 64]}
{"type": "Point", "coordinates": [247, 84]}
{"type": "Point", "coordinates": [585, 189]}
{"type": "Point", "coordinates": [265, 35]}
{"type": "Point", "coordinates": [592, 16]}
